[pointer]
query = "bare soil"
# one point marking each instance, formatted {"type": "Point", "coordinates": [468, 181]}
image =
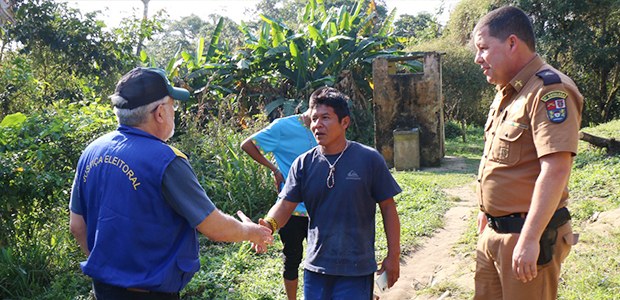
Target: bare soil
{"type": "Point", "coordinates": [435, 261]}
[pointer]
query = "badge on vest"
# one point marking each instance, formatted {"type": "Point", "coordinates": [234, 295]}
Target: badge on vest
{"type": "Point", "coordinates": [555, 103]}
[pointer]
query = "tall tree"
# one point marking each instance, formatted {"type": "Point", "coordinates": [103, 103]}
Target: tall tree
{"type": "Point", "coordinates": [145, 16]}
{"type": "Point", "coordinates": [57, 53]}
{"type": "Point", "coordinates": [182, 35]}
{"type": "Point", "coordinates": [582, 38]}
{"type": "Point", "coordinates": [421, 27]}
{"type": "Point", "coordinates": [288, 11]}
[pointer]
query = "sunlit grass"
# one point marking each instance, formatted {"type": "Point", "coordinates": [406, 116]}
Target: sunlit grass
{"type": "Point", "coordinates": [592, 270]}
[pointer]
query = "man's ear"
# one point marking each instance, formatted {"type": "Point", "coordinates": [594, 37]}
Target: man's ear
{"type": "Point", "coordinates": [158, 114]}
{"type": "Point", "coordinates": [345, 122]}
{"type": "Point", "coordinates": [512, 41]}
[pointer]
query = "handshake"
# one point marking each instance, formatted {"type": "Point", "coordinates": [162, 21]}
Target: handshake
{"type": "Point", "coordinates": [261, 234]}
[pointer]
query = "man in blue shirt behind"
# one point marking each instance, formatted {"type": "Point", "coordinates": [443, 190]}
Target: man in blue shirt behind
{"type": "Point", "coordinates": [136, 203]}
{"type": "Point", "coordinates": [286, 138]}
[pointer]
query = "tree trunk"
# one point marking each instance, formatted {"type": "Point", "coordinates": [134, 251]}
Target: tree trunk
{"type": "Point", "coordinates": [144, 18]}
{"type": "Point", "coordinates": [612, 146]}
{"type": "Point", "coordinates": [464, 130]}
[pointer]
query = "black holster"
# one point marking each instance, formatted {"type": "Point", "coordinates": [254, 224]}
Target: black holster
{"type": "Point", "coordinates": [550, 235]}
{"type": "Point", "coordinates": [514, 223]}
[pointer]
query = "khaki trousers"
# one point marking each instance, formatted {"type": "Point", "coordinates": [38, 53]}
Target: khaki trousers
{"type": "Point", "coordinates": [494, 278]}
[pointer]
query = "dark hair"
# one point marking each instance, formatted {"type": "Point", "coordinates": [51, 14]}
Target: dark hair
{"type": "Point", "coordinates": [331, 97]}
{"type": "Point", "coordinates": [507, 20]}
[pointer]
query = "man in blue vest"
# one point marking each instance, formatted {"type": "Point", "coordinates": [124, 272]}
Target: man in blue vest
{"type": "Point", "coordinates": [136, 203]}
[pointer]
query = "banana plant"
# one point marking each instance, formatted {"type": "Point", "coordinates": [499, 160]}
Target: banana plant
{"type": "Point", "coordinates": [281, 66]}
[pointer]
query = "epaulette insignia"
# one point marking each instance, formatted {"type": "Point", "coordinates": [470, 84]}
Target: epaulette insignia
{"type": "Point", "coordinates": [549, 77]}
{"type": "Point", "coordinates": [178, 152]}
{"type": "Point", "coordinates": [555, 104]}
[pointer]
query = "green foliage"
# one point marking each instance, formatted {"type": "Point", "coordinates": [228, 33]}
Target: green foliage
{"type": "Point", "coordinates": [581, 38]}
{"type": "Point", "coordinates": [598, 253]}
{"type": "Point", "coordinates": [594, 187]}
{"type": "Point", "coordinates": [417, 29]}
{"type": "Point", "coordinates": [464, 17]}
{"type": "Point", "coordinates": [235, 272]}
{"type": "Point", "coordinates": [37, 154]}
{"type": "Point", "coordinates": [133, 31]}
{"type": "Point", "coordinates": [56, 53]}
{"type": "Point", "coordinates": [421, 206]}
{"type": "Point", "coordinates": [42, 265]}
{"type": "Point", "coordinates": [287, 11]}
{"type": "Point", "coordinates": [230, 177]}
{"type": "Point", "coordinates": [277, 67]}
{"type": "Point", "coordinates": [472, 148]}
{"type": "Point", "coordinates": [595, 179]}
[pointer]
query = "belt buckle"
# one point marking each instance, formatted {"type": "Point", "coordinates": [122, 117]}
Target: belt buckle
{"type": "Point", "coordinates": [491, 223]}
{"type": "Point", "coordinates": [138, 290]}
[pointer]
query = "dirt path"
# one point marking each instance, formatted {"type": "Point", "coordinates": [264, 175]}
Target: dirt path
{"type": "Point", "coordinates": [435, 261]}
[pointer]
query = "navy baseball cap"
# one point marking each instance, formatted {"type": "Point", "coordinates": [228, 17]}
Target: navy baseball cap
{"type": "Point", "coordinates": [142, 86]}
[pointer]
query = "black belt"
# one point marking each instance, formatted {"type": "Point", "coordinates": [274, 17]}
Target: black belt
{"type": "Point", "coordinates": [513, 223]}
{"type": "Point", "coordinates": [135, 291]}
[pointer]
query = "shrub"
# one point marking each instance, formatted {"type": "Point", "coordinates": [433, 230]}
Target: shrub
{"type": "Point", "coordinates": [38, 152]}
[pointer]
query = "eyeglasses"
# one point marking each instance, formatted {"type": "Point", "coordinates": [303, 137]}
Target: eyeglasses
{"type": "Point", "coordinates": [175, 105]}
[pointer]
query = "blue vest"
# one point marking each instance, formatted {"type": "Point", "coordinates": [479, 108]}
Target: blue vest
{"type": "Point", "coordinates": [135, 238]}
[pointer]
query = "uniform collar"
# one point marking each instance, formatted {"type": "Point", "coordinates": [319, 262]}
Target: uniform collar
{"type": "Point", "coordinates": [519, 81]}
{"type": "Point", "coordinates": [136, 131]}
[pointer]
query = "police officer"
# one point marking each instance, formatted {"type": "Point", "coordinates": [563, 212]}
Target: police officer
{"type": "Point", "coordinates": [136, 203]}
{"type": "Point", "coordinates": [531, 135]}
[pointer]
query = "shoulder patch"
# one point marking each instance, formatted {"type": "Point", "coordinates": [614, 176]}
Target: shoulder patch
{"type": "Point", "coordinates": [549, 77]}
{"type": "Point", "coordinates": [555, 104]}
{"type": "Point", "coordinates": [178, 152]}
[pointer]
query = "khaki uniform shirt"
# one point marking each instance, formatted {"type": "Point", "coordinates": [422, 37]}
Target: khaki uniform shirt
{"type": "Point", "coordinates": [527, 120]}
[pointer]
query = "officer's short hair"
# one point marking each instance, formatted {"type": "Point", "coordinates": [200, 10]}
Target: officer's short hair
{"type": "Point", "coordinates": [333, 98]}
{"type": "Point", "coordinates": [136, 116]}
{"type": "Point", "coordinates": [507, 20]}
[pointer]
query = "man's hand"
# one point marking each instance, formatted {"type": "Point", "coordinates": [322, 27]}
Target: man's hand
{"type": "Point", "coordinates": [524, 258]}
{"type": "Point", "coordinates": [482, 222]}
{"type": "Point", "coordinates": [260, 236]}
{"type": "Point", "coordinates": [391, 265]}
{"type": "Point", "coordinates": [278, 178]}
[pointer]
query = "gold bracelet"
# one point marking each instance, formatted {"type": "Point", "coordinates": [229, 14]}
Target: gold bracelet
{"type": "Point", "coordinates": [273, 223]}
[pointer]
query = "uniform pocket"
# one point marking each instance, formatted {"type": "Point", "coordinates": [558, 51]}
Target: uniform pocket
{"type": "Point", "coordinates": [487, 125]}
{"type": "Point", "coordinates": [507, 147]}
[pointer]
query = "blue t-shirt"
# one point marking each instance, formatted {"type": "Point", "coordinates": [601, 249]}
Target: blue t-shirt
{"type": "Point", "coordinates": [341, 229]}
{"type": "Point", "coordinates": [286, 138]}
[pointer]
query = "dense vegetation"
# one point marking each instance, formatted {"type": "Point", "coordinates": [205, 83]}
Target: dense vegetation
{"type": "Point", "coordinates": [59, 66]}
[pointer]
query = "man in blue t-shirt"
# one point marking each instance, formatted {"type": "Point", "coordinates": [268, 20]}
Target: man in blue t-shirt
{"type": "Point", "coordinates": [286, 138]}
{"type": "Point", "coordinates": [340, 182]}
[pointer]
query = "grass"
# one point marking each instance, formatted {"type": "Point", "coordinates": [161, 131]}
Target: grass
{"type": "Point", "coordinates": [592, 270]}
{"type": "Point", "coordinates": [232, 271]}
